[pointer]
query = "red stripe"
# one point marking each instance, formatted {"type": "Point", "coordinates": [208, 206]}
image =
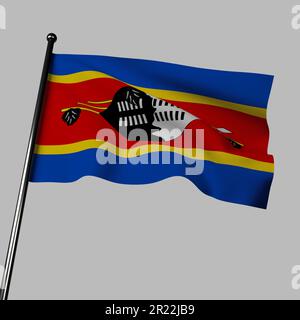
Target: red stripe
{"type": "Point", "coordinates": [248, 130]}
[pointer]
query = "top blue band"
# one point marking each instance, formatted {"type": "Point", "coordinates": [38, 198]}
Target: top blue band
{"type": "Point", "coordinates": [238, 87]}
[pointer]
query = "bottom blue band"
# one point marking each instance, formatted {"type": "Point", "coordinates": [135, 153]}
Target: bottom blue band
{"type": "Point", "coordinates": [224, 182]}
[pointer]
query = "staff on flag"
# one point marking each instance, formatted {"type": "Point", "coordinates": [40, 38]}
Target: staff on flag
{"type": "Point", "coordinates": [15, 232]}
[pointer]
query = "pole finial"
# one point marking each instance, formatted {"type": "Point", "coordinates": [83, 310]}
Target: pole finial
{"type": "Point", "coordinates": [52, 37]}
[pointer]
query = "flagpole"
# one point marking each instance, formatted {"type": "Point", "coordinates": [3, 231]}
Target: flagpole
{"type": "Point", "coordinates": [16, 227]}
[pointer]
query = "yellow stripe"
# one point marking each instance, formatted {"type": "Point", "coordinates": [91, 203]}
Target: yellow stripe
{"type": "Point", "coordinates": [78, 77]}
{"type": "Point", "coordinates": [195, 98]}
{"type": "Point", "coordinates": [162, 94]}
{"type": "Point", "coordinates": [197, 154]}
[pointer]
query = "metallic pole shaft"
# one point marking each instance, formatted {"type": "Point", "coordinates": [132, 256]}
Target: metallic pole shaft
{"type": "Point", "coordinates": [15, 232]}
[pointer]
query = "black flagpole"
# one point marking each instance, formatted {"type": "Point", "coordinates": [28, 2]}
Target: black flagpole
{"type": "Point", "coordinates": [15, 232]}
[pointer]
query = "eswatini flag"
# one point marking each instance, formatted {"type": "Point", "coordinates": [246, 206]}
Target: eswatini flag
{"type": "Point", "coordinates": [136, 122]}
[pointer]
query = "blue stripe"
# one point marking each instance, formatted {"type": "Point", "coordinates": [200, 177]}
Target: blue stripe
{"type": "Point", "coordinates": [228, 183]}
{"type": "Point", "coordinates": [239, 87]}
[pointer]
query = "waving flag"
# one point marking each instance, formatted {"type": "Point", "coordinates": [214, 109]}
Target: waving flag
{"type": "Point", "coordinates": [137, 122]}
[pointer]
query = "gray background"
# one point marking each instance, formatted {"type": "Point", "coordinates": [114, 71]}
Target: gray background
{"type": "Point", "coordinates": [96, 240]}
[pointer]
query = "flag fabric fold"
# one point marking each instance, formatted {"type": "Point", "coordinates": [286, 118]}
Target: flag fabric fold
{"type": "Point", "coordinates": [135, 121]}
